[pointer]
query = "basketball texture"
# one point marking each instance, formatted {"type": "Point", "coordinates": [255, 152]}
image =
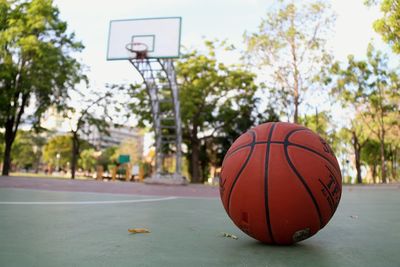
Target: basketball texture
{"type": "Point", "coordinates": [280, 183]}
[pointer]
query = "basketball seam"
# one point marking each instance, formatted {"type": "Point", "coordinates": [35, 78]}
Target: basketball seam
{"type": "Point", "coordinates": [315, 152]}
{"type": "Point", "coordinates": [266, 188]}
{"type": "Point", "coordinates": [300, 176]}
{"type": "Point", "coordinates": [241, 170]}
{"type": "Point", "coordinates": [236, 150]}
{"type": "Point", "coordinates": [248, 145]}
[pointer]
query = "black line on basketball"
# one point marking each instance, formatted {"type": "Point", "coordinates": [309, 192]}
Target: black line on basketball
{"type": "Point", "coordinates": [267, 215]}
{"type": "Point", "coordinates": [307, 148]}
{"type": "Point", "coordinates": [248, 145]}
{"type": "Point", "coordinates": [332, 200]}
{"type": "Point", "coordinates": [300, 176]}
{"type": "Point", "coordinates": [242, 168]}
{"type": "Point", "coordinates": [269, 142]}
{"type": "Point", "coordinates": [236, 150]}
{"type": "Point", "coordinates": [315, 152]}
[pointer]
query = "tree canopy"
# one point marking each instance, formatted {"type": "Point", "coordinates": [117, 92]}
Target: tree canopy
{"type": "Point", "coordinates": [389, 25]}
{"type": "Point", "coordinates": [36, 66]}
{"type": "Point", "coordinates": [372, 89]}
{"type": "Point", "coordinates": [290, 47]}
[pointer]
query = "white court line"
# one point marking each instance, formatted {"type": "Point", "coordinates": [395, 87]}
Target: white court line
{"type": "Point", "coordinates": [84, 202]}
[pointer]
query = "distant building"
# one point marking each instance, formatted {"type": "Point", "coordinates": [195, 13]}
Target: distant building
{"type": "Point", "coordinates": [58, 124]}
{"type": "Point", "coordinates": [117, 135]}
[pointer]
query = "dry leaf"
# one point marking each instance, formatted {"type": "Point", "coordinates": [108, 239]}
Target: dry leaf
{"type": "Point", "coordinates": [138, 231]}
{"type": "Point", "coordinates": [229, 236]}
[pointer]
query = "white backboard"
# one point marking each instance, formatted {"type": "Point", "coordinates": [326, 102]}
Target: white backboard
{"type": "Point", "coordinates": [162, 36]}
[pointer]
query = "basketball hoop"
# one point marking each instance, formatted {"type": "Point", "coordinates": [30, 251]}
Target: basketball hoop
{"type": "Point", "coordinates": [137, 50]}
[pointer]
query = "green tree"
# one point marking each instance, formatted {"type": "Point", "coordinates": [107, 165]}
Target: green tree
{"type": "Point", "coordinates": [22, 152]}
{"type": "Point", "coordinates": [57, 151]}
{"type": "Point", "coordinates": [394, 151]}
{"type": "Point", "coordinates": [214, 97]}
{"type": "Point", "coordinates": [36, 69]}
{"type": "Point", "coordinates": [370, 156]}
{"type": "Point", "coordinates": [1, 146]}
{"type": "Point", "coordinates": [389, 25]}
{"type": "Point", "coordinates": [358, 138]}
{"type": "Point", "coordinates": [87, 160]}
{"type": "Point", "coordinates": [26, 151]}
{"type": "Point", "coordinates": [372, 90]}
{"type": "Point", "coordinates": [318, 122]}
{"type": "Point", "coordinates": [290, 44]}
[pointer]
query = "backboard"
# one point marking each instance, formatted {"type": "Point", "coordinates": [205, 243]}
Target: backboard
{"type": "Point", "coordinates": [162, 37]}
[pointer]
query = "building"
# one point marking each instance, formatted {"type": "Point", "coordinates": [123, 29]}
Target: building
{"type": "Point", "coordinates": [116, 135]}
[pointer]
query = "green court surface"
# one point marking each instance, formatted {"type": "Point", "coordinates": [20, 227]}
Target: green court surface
{"type": "Point", "coordinates": [50, 228]}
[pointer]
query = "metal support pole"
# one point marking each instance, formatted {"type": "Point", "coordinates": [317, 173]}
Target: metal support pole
{"type": "Point", "coordinates": [151, 70]}
{"type": "Point", "coordinates": [171, 75]}
{"type": "Point", "coordinates": [145, 68]}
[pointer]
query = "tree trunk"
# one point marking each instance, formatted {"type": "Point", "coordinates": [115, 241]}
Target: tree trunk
{"type": "Point", "coordinates": [195, 157]}
{"type": "Point", "coordinates": [9, 137]}
{"type": "Point", "coordinates": [357, 158]}
{"type": "Point", "coordinates": [374, 173]}
{"type": "Point", "coordinates": [383, 160]}
{"type": "Point", "coordinates": [37, 162]}
{"type": "Point", "coordinates": [75, 153]}
{"type": "Point", "coordinates": [394, 164]}
{"type": "Point", "coordinates": [296, 107]}
{"type": "Point", "coordinates": [7, 158]}
{"type": "Point", "coordinates": [296, 74]}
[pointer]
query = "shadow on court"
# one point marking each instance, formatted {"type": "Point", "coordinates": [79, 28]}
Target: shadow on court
{"type": "Point", "coordinates": [69, 228]}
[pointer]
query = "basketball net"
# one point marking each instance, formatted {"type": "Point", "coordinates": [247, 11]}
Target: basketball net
{"type": "Point", "coordinates": [137, 50]}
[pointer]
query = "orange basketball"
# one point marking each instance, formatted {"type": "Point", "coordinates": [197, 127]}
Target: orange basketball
{"type": "Point", "coordinates": [280, 183]}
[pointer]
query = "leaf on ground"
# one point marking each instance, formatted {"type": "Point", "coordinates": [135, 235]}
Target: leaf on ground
{"type": "Point", "coordinates": [138, 231]}
{"type": "Point", "coordinates": [227, 235]}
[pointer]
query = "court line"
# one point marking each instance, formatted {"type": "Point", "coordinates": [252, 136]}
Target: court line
{"type": "Point", "coordinates": [84, 202]}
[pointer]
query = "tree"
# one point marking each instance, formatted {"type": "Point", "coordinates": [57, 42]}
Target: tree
{"type": "Point", "coordinates": [290, 44]}
{"type": "Point", "coordinates": [318, 122]}
{"type": "Point", "coordinates": [372, 89]}
{"type": "Point", "coordinates": [394, 150]}
{"type": "Point", "coordinates": [1, 146]}
{"type": "Point", "coordinates": [22, 151]}
{"type": "Point", "coordinates": [370, 156]}
{"type": "Point", "coordinates": [36, 69]}
{"type": "Point", "coordinates": [57, 151]}
{"type": "Point", "coordinates": [358, 138]}
{"type": "Point", "coordinates": [214, 97]}
{"type": "Point", "coordinates": [86, 120]}
{"type": "Point", "coordinates": [88, 159]}
{"type": "Point", "coordinates": [389, 25]}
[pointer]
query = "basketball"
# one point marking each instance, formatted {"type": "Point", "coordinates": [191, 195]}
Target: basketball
{"type": "Point", "coordinates": [280, 183]}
